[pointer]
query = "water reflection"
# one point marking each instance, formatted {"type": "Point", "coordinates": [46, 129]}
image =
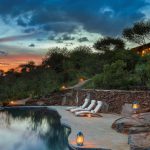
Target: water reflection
{"type": "Point", "coordinates": [32, 129]}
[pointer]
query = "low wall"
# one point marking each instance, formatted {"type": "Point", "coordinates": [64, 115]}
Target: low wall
{"type": "Point", "coordinates": [116, 98]}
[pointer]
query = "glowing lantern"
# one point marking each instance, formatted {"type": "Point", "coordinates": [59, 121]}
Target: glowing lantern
{"type": "Point", "coordinates": [81, 80]}
{"type": "Point", "coordinates": [80, 139]}
{"type": "Point", "coordinates": [143, 52]}
{"type": "Point", "coordinates": [12, 102]}
{"type": "Point", "coordinates": [63, 87]}
{"type": "Point", "coordinates": [135, 106]}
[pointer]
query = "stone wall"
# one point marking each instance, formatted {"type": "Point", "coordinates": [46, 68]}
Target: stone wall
{"type": "Point", "coordinates": [116, 98]}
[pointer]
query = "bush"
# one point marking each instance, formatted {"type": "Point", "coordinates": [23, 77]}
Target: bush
{"type": "Point", "coordinates": [114, 76]}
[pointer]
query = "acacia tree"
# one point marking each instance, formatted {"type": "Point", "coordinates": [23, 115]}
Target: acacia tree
{"type": "Point", "coordinates": [55, 59]}
{"type": "Point", "coordinates": [109, 43]}
{"type": "Point", "coordinates": [27, 67]}
{"type": "Point", "coordinates": [139, 33]}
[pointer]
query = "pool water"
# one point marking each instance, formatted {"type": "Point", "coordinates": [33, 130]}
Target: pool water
{"type": "Point", "coordinates": [32, 129]}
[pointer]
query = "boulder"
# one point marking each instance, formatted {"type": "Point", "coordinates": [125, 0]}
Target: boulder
{"type": "Point", "coordinates": [138, 128]}
{"type": "Point", "coordinates": [127, 110]}
{"type": "Point", "coordinates": [124, 124]}
{"type": "Point", "coordinates": [140, 141]}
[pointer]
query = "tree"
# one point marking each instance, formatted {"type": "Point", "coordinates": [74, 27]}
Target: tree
{"type": "Point", "coordinates": [27, 67]}
{"type": "Point", "coordinates": [114, 76]}
{"type": "Point", "coordinates": [109, 44]}
{"type": "Point", "coordinates": [139, 33]}
{"type": "Point", "coordinates": [79, 56]}
{"type": "Point", "coordinates": [55, 58]}
{"type": "Point", "coordinates": [1, 73]}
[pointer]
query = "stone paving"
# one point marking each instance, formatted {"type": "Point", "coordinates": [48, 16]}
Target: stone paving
{"type": "Point", "coordinates": [97, 131]}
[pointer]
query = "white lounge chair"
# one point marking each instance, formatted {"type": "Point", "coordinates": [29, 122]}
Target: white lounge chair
{"type": "Point", "coordinates": [85, 104]}
{"type": "Point", "coordinates": [90, 107]}
{"type": "Point", "coordinates": [93, 112]}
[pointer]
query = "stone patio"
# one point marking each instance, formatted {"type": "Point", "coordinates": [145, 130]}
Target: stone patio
{"type": "Point", "coordinates": [97, 131]}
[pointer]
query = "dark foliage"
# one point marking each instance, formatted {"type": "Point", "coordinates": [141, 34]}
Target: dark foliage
{"type": "Point", "coordinates": [112, 66]}
{"type": "Point", "coordinates": [109, 43]}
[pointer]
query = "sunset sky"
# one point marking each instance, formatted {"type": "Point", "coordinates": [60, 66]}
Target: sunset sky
{"type": "Point", "coordinates": [28, 28]}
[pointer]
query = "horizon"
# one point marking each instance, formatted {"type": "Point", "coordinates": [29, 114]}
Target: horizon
{"type": "Point", "coordinates": [30, 28]}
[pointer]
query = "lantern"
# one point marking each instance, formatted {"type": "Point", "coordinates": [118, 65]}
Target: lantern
{"type": "Point", "coordinates": [135, 106]}
{"type": "Point", "coordinates": [81, 80]}
{"type": "Point", "coordinates": [80, 139]}
{"type": "Point", "coordinates": [63, 87]}
{"type": "Point", "coordinates": [12, 102]}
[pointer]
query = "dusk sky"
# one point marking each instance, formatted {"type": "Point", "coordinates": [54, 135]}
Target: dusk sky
{"type": "Point", "coordinates": [28, 28]}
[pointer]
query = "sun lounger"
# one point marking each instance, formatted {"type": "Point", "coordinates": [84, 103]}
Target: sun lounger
{"type": "Point", "coordinates": [90, 107]}
{"type": "Point", "coordinates": [93, 112]}
{"type": "Point", "coordinates": [85, 104]}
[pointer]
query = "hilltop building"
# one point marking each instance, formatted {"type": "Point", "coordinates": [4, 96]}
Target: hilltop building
{"type": "Point", "coordinates": [142, 50]}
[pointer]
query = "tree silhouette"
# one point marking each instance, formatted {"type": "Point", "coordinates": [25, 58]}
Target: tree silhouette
{"type": "Point", "coordinates": [139, 33]}
{"type": "Point", "coordinates": [109, 43]}
{"type": "Point", "coordinates": [55, 58]}
{"type": "Point", "coordinates": [27, 67]}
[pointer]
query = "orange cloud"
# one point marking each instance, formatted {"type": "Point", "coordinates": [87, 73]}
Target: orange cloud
{"type": "Point", "coordinates": [13, 61]}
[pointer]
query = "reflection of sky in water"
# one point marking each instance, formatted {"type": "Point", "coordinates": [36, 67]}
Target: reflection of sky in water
{"type": "Point", "coordinates": [25, 134]}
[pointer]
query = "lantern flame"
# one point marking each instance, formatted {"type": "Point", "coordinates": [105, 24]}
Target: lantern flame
{"type": "Point", "coordinates": [81, 80]}
{"type": "Point", "coordinates": [12, 102]}
{"type": "Point", "coordinates": [136, 106]}
{"type": "Point", "coordinates": [63, 87]}
{"type": "Point", "coordinates": [80, 139]}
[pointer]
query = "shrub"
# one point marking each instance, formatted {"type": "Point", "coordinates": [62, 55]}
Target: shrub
{"type": "Point", "coordinates": [113, 76]}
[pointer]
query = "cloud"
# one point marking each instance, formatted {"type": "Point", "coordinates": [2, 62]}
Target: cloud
{"type": "Point", "coordinates": [16, 37]}
{"type": "Point", "coordinates": [12, 49]}
{"type": "Point", "coordinates": [32, 45]}
{"type": "Point", "coordinates": [64, 37]}
{"type": "Point", "coordinates": [83, 39]}
{"type": "Point", "coordinates": [17, 59]}
{"type": "Point", "coordinates": [67, 37]}
{"type": "Point", "coordinates": [106, 17]}
{"type": "Point", "coordinates": [29, 30]}
{"type": "Point", "coordinates": [59, 27]}
{"type": "Point", "coordinates": [60, 38]}
{"type": "Point", "coordinates": [4, 64]}
{"type": "Point", "coordinates": [2, 53]}
{"type": "Point", "coordinates": [39, 39]}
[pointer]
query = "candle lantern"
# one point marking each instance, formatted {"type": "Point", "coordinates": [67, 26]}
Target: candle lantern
{"type": "Point", "coordinates": [81, 80]}
{"type": "Point", "coordinates": [12, 102]}
{"type": "Point", "coordinates": [63, 87]}
{"type": "Point", "coordinates": [80, 139]}
{"type": "Point", "coordinates": [135, 106]}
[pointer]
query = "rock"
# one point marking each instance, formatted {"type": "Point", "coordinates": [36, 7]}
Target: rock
{"type": "Point", "coordinates": [138, 127]}
{"type": "Point", "coordinates": [127, 110]}
{"type": "Point", "coordinates": [144, 110]}
{"type": "Point", "coordinates": [64, 101]}
{"type": "Point", "coordinates": [140, 141]}
{"type": "Point", "coordinates": [124, 124]}
{"type": "Point", "coordinates": [135, 130]}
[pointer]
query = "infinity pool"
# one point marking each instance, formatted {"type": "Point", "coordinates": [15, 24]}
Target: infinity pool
{"type": "Point", "coordinates": [32, 129]}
